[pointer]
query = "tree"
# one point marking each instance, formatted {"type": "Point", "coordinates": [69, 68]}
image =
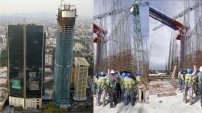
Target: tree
{"type": "Point", "coordinates": [52, 108]}
{"type": "Point", "coordinates": [4, 58]}
{"type": "Point", "coordinates": [19, 108]}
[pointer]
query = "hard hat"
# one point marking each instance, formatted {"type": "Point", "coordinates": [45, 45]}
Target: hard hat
{"type": "Point", "coordinates": [189, 71]}
{"type": "Point", "coordinates": [200, 69]}
{"type": "Point", "coordinates": [138, 73]}
{"type": "Point", "coordinates": [129, 75]}
{"type": "Point", "coordinates": [112, 71]}
{"type": "Point", "coordinates": [101, 73]}
{"type": "Point", "coordinates": [123, 75]}
{"type": "Point", "coordinates": [180, 71]}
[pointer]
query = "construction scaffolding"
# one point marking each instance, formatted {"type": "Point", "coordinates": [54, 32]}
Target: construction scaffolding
{"type": "Point", "coordinates": [190, 47]}
{"type": "Point", "coordinates": [119, 41]}
{"type": "Point", "coordinates": [64, 54]}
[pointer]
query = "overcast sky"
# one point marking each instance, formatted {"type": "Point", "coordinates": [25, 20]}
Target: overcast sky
{"type": "Point", "coordinates": [160, 39]}
{"type": "Point", "coordinates": [84, 7]}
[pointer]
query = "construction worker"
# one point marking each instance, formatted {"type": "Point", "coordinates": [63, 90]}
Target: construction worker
{"type": "Point", "coordinates": [141, 89]}
{"type": "Point", "coordinates": [113, 79]}
{"type": "Point", "coordinates": [118, 85]}
{"type": "Point", "coordinates": [102, 85]}
{"type": "Point", "coordinates": [188, 87]}
{"type": "Point", "coordinates": [181, 79]}
{"type": "Point", "coordinates": [200, 83]}
{"type": "Point", "coordinates": [195, 82]}
{"type": "Point", "coordinates": [129, 93]}
{"type": "Point", "coordinates": [123, 75]}
{"type": "Point", "coordinates": [95, 85]}
{"type": "Point", "coordinates": [95, 82]}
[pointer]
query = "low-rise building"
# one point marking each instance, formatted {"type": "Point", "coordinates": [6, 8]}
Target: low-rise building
{"type": "Point", "coordinates": [79, 78]}
{"type": "Point", "coordinates": [3, 88]}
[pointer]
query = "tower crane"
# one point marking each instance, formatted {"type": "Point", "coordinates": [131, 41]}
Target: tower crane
{"type": "Point", "coordinates": [182, 13]}
{"type": "Point", "coordinates": [174, 24]}
{"type": "Point", "coordinates": [138, 44]}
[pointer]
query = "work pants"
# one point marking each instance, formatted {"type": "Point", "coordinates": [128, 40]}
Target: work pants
{"type": "Point", "coordinates": [122, 94]}
{"type": "Point", "coordinates": [141, 92]}
{"type": "Point", "coordinates": [188, 91]}
{"type": "Point", "coordinates": [129, 96]}
{"type": "Point", "coordinates": [118, 91]}
{"type": "Point", "coordinates": [181, 83]}
{"type": "Point", "coordinates": [112, 97]}
{"type": "Point", "coordinates": [104, 94]}
{"type": "Point", "coordinates": [98, 95]}
{"type": "Point", "coordinates": [200, 91]}
{"type": "Point", "coordinates": [195, 88]}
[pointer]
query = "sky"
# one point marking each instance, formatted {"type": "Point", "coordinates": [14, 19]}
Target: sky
{"type": "Point", "coordinates": [160, 39]}
{"type": "Point", "coordinates": [84, 7]}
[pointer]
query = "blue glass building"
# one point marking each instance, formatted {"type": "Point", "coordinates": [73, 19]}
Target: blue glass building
{"type": "Point", "coordinates": [64, 54]}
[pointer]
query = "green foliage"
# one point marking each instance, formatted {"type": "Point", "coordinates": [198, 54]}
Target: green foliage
{"type": "Point", "coordinates": [19, 108]}
{"type": "Point", "coordinates": [4, 58]}
{"type": "Point", "coordinates": [89, 58]}
{"type": "Point", "coordinates": [52, 108]}
{"type": "Point", "coordinates": [86, 53]}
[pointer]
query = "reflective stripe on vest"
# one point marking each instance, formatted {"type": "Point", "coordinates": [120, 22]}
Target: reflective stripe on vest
{"type": "Point", "coordinates": [181, 77]}
{"type": "Point", "coordinates": [128, 83]}
{"type": "Point", "coordinates": [102, 81]}
{"type": "Point", "coordinates": [188, 79]}
{"type": "Point", "coordinates": [138, 79]}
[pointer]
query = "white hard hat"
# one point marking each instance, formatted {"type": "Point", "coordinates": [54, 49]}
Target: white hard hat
{"type": "Point", "coordinates": [200, 69]}
{"type": "Point", "coordinates": [112, 72]}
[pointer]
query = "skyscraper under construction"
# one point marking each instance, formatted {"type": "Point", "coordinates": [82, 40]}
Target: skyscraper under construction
{"type": "Point", "coordinates": [64, 53]}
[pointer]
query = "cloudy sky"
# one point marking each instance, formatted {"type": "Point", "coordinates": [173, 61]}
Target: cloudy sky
{"type": "Point", "coordinates": [84, 7]}
{"type": "Point", "coordinates": [160, 39]}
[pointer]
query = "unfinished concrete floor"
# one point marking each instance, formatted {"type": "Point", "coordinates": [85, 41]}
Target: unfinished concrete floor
{"type": "Point", "coordinates": [168, 104]}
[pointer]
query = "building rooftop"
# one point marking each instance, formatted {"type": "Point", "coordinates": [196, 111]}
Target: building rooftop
{"type": "Point", "coordinates": [3, 74]}
{"type": "Point", "coordinates": [3, 69]}
{"type": "Point", "coordinates": [81, 61]}
{"type": "Point", "coordinates": [3, 81]}
{"type": "Point", "coordinates": [3, 96]}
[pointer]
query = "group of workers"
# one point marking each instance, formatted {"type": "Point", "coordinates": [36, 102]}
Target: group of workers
{"type": "Point", "coordinates": [190, 82]}
{"type": "Point", "coordinates": [120, 87]}
{"type": "Point", "coordinates": [126, 87]}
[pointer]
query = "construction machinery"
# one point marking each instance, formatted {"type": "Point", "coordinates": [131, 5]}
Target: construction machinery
{"type": "Point", "coordinates": [189, 38]}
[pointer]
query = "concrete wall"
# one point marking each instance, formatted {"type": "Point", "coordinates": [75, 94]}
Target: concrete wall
{"type": "Point", "coordinates": [30, 103]}
{"type": "Point", "coordinates": [80, 83]}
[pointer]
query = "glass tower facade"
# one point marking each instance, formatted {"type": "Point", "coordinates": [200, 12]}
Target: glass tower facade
{"type": "Point", "coordinates": [64, 54]}
{"type": "Point", "coordinates": [26, 60]}
{"type": "Point", "coordinates": [16, 60]}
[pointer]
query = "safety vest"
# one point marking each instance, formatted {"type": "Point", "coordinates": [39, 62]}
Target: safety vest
{"type": "Point", "coordinates": [180, 76]}
{"type": "Point", "coordinates": [188, 79]}
{"type": "Point", "coordinates": [128, 83]}
{"type": "Point", "coordinates": [200, 77]}
{"type": "Point", "coordinates": [195, 78]}
{"type": "Point", "coordinates": [138, 79]}
{"type": "Point", "coordinates": [95, 80]}
{"type": "Point", "coordinates": [102, 82]}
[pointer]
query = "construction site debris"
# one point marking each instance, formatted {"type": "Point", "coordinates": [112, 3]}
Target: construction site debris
{"type": "Point", "coordinates": [166, 94]}
{"type": "Point", "coordinates": [160, 101]}
{"type": "Point", "coordinates": [163, 87]}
